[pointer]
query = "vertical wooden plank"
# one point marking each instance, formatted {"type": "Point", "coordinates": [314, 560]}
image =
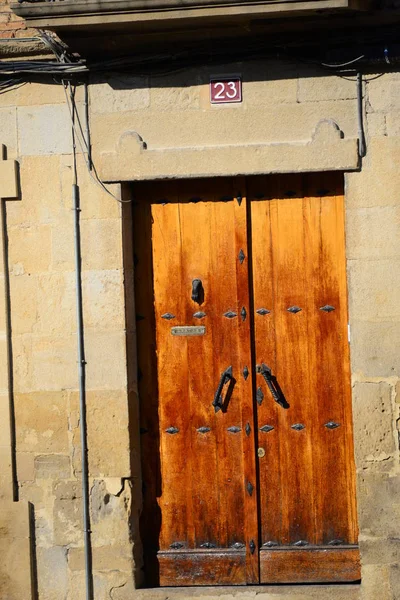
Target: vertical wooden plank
{"type": "Point", "coordinates": [260, 191]}
{"type": "Point", "coordinates": [173, 402]}
{"type": "Point", "coordinates": [329, 353]}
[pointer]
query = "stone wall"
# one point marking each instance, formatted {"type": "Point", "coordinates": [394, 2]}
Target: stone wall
{"type": "Point", "coordinates": [282, 104]}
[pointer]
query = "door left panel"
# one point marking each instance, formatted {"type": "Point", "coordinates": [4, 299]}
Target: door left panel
{"type": "Point", "coordinates": [198, 462]}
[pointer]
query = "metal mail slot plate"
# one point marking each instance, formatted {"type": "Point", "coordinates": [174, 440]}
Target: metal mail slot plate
{"type": "Point", "coordinates": [188, 330]}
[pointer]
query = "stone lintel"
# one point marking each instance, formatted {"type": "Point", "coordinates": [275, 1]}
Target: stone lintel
{"type": "Point", "coordinates": [326, 151]}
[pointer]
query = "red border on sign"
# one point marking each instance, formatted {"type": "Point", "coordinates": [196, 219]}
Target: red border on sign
{"type": "Point", "coordinates": [235, 78]}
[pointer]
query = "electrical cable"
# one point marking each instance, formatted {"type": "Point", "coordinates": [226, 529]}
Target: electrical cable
{"type": "Point", "coordinates": [85, 150]}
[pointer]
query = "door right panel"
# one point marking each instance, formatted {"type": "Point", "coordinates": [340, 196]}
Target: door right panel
{"type": "Point", "coordinates": [307, 481]}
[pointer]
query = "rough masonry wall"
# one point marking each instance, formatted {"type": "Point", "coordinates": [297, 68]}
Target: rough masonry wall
{"type": "Point", "coordinates": [35, 126]}
{"type": "Point", "coordinates": [282, 103]}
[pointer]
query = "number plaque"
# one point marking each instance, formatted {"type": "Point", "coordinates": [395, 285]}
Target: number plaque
{"type": "Point", "coordinates": [225, 89]}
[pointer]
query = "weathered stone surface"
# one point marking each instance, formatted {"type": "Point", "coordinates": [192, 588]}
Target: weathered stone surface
{"type": "Point", "coordinates": [375, 583]}
{"type": "Point", "coordinates": [8, 129]}
{"type": "Point", "coordinates": [37, 134]}
{"type": "Point", "coordinates": [109, 514]}
{"type": "Point", "coordinates": [328, 88]}
{"type": "Point", "coordinates": [29, 249]}
{"type": "Point", "coordinates": [25, 466]}
{"type": "Point", "coordinates": [372, 348]}
{"type": "Point", "coordinates": [52, 466]}
{"type": "Point", "coordinates": [68, 521]}
{"type": "Point", "coordinates": [106, 558]}
{"type": "Point", "coordinates": [119, 93]}
{"type": "Point", "coordinates": [376, 125]}
{"type": "Point", "coordinates": [181, 91]}
{"type": "Point", "coordinates": [106, 360]}
{"type": "Point", "coordinates": [24, 294]}
{"type": "Point", "coordinates": [379, 181]}
{"type": "Point", "coordinates": [52, 573]}
{"type": "Point", "coordinates": [96, 203]}
{"type": "Point", "coordinates": [378, 506]}
{"type": "Point", "coordinates": [45, 363]}
{"type": "Point", "coordinates": [40, 193]}
{"type": "Point", "coordinates": [56, 303]}
{"type": "Point", "coordinates": [373, 232]}
{"type": "Point", "coordinates": [15, 555]}
{"type": "Point", "coordinates": [42, 422]}
{"type": "Point", "coordinates": [374, 289]}
{"type": "Point", "coordinates": [377, 551]}
{"type": "Point", "coordinates": [290, 122]}
{"type": "Point", "coordinates": [383, 94]}
{"type": "Point", "coordinates": [103, 293]}
{"type": "Point", "coordinates": [373, 423]}
{"type": "Point", "coordinates": [99, 248]}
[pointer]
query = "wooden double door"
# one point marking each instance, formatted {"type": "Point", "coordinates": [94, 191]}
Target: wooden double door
{"type": "Point", "coordinates": [243, 356]}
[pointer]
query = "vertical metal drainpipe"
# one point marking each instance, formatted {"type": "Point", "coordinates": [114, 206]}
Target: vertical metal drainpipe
{"type": "Point", "coordinates": [362, 148]}
{"type": "Point", "coordinates": [81, 369]}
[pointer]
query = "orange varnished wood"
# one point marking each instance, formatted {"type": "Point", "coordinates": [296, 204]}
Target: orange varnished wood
{"type": "Point", "coordinates": [319, 565]}
{"type": "Point", "coordinates": [307, 482]}
{"type": "Point", "coordinates": [203, 495]}
{"type": "Point", "coordinates": [199, 519]}
{"type": "Point", "coordinates": [202, 568]}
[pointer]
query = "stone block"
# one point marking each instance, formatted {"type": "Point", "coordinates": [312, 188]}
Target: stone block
{"type": "Point", "coordinates": [56, 303]}
{"type": "Point", "coordinates": [6, 477]}
{"type": "Point", "coordinates": [24, 316]}
{"type": "Point", "coordinates": [366, 189]}
{"type": "Point", "coordinates": [52, 466]}
{"type": "Point", "coordinates": [103, 297]}
{"type": "Point", "coordinates": [3, 365]}
{"type": "Point", "coordinates": [375, 584]}
{"type": "Point", "coordinates": [373, 423]}
{"type": "Point", "coordinates": [376, 125]}
{"type": "Point", "coordinates": [95, 202]}
{"type": "Point", "coordinates": [42, 422]}
{"type": "Point", "coordinates": [372, 346]}
{"type": "Point", "coordinates": [379, 551]}
{"type": "Point", "coordinates": [373, 232]}
{"type": "Point", "coordinates": [44, 130]}
{"type": "Point", "coordinates": [45, 363]}
{"type": "Point", "coordinates": [108, 558]}
{"type": "Point", "coordinates": [5, 437]}
{"type": "Point", "coordinates": [392, 123]}
{"type": "Point", "coordinates": [326, 88]}
{"type": "Point", "coordinates": [101, 244]}
{"type": "Point", "coordinates": [68, 522]}
{"type": "Point", "coordinates": [52, 573]}
{"type": "Point", "coordinates": [32, 94]}
{"type": "Point", "coordinates": [288, 122]}
{"type": "Point", "coordinates": [15, 551]}
{"type": "Point", "coordinates": [378, 505]}
{"type": "Point", "coordinates": [119, 93]}
{"type": "Point", "coordinates": [25, 466]}
{"type": "Point", "coordinates": [29, 249]}
{"type": "Point", "coordinates": [383, 94]}
{"type": "Point", "coordinates": [8, 128]}
{"type": "Point", "coordinates": [108, 433]}
{"type": "Point", "coordinates": [41, 201]}
{"type": "Point", "coordinates": [106, 361]}
{"type": "Point", "coordinates": [176, 95]}
{"type": "Point", "coordinates": [110, 515]}
{"type": "Point", "coordinates": [374, 289]}
{"type": "Point", "coordinates": [394, 578]}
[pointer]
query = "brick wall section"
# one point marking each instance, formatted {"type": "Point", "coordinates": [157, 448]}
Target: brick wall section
{"type": "Point", "coordinates": [12, 26]}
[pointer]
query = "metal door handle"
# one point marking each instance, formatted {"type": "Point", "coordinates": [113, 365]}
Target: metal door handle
{"type": "Point", "coordinates": [225, 377]}
{"type": "Point", "coordinates": [267, 374]}
{"type": "Point", "coordinates": [197, 291]}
